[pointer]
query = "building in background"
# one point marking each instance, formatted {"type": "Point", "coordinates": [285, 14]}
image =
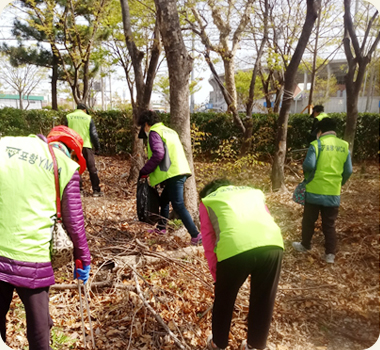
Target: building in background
{"type": "Point", "coordinates": [369, 99]}
{"type": "Point", "coordinates": [31, 102]}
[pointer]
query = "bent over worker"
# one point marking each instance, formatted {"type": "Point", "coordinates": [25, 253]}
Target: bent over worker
{"type": "Point", "coordinates": [168, 166]}
{"type": "Point", "coordinates": [240, 239]}
{"type": "Point", "coordinates": [27, 214]}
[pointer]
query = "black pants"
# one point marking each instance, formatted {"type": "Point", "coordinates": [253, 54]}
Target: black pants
{"type": "Point", "coordinates": [88, 154]}
{"type": "Point", "coordinates": [264, 266]}
{"type": "Point", "coordinates": [38, 320]}
{"type": "Point", "coordinates": [310, 216]}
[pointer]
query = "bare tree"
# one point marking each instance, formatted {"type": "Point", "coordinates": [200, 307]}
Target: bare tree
{"type": "Point", "coordinates": [180, 64]}
{"type": "Point", "coordinates": [260, 51]}
{"type": "Point", "coordinates": [23, 79]}
{"type": "Point", "coordinates": [278, 180]}
{"type": "Point", "coordinates": [358, 57]}
{"type": "Point", "coordinates": [327, 34]}
{"type": "Point", "coordinates": [143, 79]}
{"type": "Point", "coordinates": [285, 26]}
{"type": "Point", "coordinates": [72, 29]}
{"type": "Point", "coordinates": [224, 14]}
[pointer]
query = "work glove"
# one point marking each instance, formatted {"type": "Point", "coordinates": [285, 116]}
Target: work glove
{"type": "Point", "coordinates": [81, 272]}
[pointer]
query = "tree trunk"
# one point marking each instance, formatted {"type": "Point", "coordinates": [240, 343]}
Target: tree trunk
{"type": "Point", "coordinates": [21, 102]}
{"type": "Point", "coordinates": [313, 69]}
{"type": "Point", "coordinates": [265, 83]}
{"type": "Point", "coordinates": [54, 81]}
{"type": "Point", "coordinates": [257, 62]}
{"type": "Point", "coordinates": [353, 80]}
{"type": "Point", "coordinates": [179, 65]}
{"type": "Point", "coordinates": [247, 136]}
{"type": "Point", "coordinates": [372, 79]}
{"type": "Point", "coordinates": [143, 89]}
{"type": "Point", "coordinates": [356, 68]}
{"type": "Point", "coordinates": [277, 103]}
{"type": "Point", "coordinates": [352, 115]}
{"type": "Point", "coordinates": [278, 179]}
{"type": "Point", "coordinates": [229, 77]}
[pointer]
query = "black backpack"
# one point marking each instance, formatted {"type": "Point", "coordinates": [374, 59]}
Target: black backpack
{"type": "Point", "coordinates": [148, 202]}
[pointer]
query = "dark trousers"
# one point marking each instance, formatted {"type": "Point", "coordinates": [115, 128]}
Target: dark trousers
{"type": "Point", "coordinates": [173, 192]}
{"type": "Point", "coordinates": [38, 320]}
{"type": "Point", "coordinates": [264, 266]}
{"type": "Point", "coordinates": [88, 154]}
{"type": "Point", "coordinates": [310, 216]}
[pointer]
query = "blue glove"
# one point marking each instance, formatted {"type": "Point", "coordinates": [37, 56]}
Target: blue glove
{"type": "Point", "coordinates": [82, 274]}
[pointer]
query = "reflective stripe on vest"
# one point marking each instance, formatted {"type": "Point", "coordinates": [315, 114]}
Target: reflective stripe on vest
{"type": "Point", "coordinates": [27, 196]}
{"type": "Point", "coordinates": [240, 221]}
{"type": "Point", "coordinates": [80, 121]}
{"type": "Point", "coordinates": [174, 162]}
{"type": "Point", "coordinates": [328, 175]}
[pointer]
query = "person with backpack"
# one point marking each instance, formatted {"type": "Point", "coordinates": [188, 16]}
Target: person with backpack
{"type": "Point", "coordinates": [81, 122]}
{"type": "Point", "coordinates": [168, 166]}
{"type": "Point", "coordinates": [240, 239]}
{"type": "Point", "coordinates": [329, 174]}
{"type": "Point", "coordinates": [27, 216]}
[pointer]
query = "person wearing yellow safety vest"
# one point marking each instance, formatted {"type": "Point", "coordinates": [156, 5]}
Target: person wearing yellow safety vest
{"type": "Point", "coordinates": [317, 115]}
{"type": "Point", "coordinates": [240, 238]}
{"type": "Point", "coordinates": [168, 166]}
{"type": "Point", "coordinates": [83, 124]}
{"type": "Point", "coordinates": [330, 167]}
{"type": "Point", "coordinates": [27, 215]}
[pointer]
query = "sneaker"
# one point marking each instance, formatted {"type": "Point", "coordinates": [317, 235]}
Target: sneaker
{"type": "Point", "coordinates": [97, 193]}
{"type": "Point", "coordinates": [196, 240]}
{"type": "Point", "coordinates": [157, 231]}
{"type": "Point", "coordinates": [299, 247]}
{"type": "Point", "coordinates": [244, 346]}
{"type": "Point", "coordinates": [330, 258]}
{"type": "Point", "coordinates": [210, 344]}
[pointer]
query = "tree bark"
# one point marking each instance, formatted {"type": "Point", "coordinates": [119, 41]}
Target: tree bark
{"type": "Point", "coordinates": [278, 179]}
{"type": "Point", "coordinates": [21, 101]}
{"type": "Point", "coordinates": [257, 62]}
{"type": "Point", "coordinates": [54, 81]}
{"type": "Point", "coordinates": [265, 83]}
{"type": "Point", "coordinates": [229, 77]}
{"type": "Point", "coordinates": [313, 70]}
{"type": "Point", "coordinates": [180, 64]}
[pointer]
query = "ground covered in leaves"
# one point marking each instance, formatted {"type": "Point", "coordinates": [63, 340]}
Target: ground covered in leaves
{"type": "Point", "coordinates": [318, 306]}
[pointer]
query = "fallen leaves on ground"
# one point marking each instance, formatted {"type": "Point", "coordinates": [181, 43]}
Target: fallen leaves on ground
{"type": "Point", "coordinates": [318, 306]}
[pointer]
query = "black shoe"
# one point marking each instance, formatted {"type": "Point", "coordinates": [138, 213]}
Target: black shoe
{"type": "Point", "coordinates": [97, 194]}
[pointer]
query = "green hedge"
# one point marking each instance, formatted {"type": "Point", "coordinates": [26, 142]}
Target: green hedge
{"type": "Point", "coordinates": [114, 129]}
{"type": "Point", "coordinates": [221, 127]}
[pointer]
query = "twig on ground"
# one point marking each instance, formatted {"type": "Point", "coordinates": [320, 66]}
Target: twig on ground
{"type": "Point", "coordinates": [157, 316]}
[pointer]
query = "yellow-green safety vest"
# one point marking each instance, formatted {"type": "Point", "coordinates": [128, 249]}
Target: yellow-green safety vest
{"type": "Point", "coordinates": [240, 221]}
{"type": "Point", "coordinates": [327, 179]}
{"type": "Point", "coordinates": [174, 162]}
{"type": "Point", "coordinates": [28, 196]}
{"type": "Point", "coordinates": [321, 116]}
{"type": "Point", "coordinates": [80, 121]}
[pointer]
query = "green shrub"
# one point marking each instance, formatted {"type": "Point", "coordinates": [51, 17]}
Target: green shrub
{"type": "Point", "coordinates": [214, 135]}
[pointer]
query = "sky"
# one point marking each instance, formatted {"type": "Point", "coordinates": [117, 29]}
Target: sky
{"type": "Point", "coordinates": [118, 83]}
